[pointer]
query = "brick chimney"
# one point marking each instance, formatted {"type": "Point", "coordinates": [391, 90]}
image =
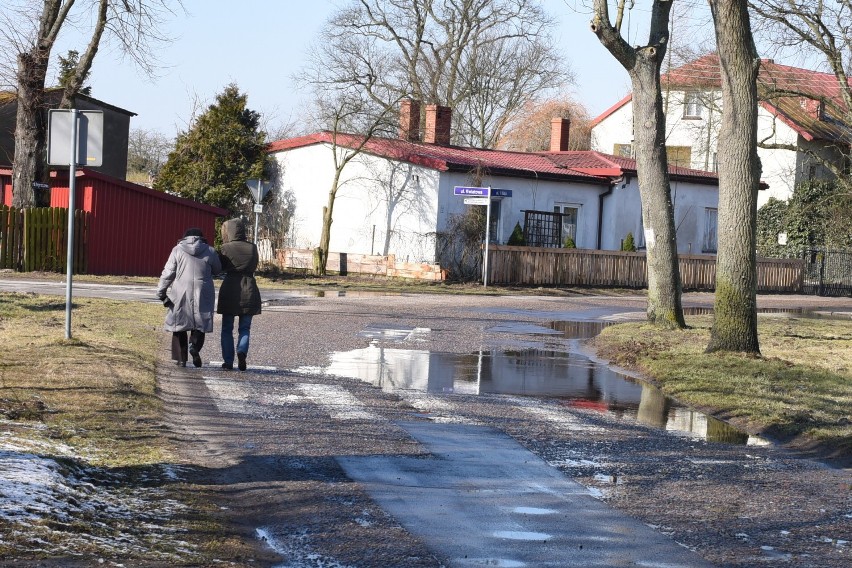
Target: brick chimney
{"type": "Point", "coordinates": [409, 120]}
{"type": "Point", "coordinates": [559, 134]}
{"type": "Point", "coordinates": [438, 119]}
{"type": "Point", "coordinates": [815, 108]}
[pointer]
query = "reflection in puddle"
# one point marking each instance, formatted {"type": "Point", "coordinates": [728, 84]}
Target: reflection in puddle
{"type": "Point", "coordinates": [307, 293]}
{"type": "Point", "coordinates": [572, 378]}
{"type": "Point", "coordinates": [579, 329]}
{"type": "Point", "coordinates": [567, 329]}
{"type": "Point", "coordinates": [809, 313]}
{"type": "Point", "coordinates": [390, 332]}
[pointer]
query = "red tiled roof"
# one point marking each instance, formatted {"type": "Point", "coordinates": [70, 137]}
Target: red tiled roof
{"type": "Point", "coordinates": [583, 166]}
{"type": "Point", "coordinates": [704, 73]}
{"type": "Point", "coordinates": [774, 77]}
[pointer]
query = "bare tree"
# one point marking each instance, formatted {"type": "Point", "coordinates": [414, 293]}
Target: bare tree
{"type": "Point", "coordinates": [147, 151]}
{"type": "Point", "coordinates": [354, 108]}
{"type": "Point", "coordinates": [396, 194]}
{"type": "Point", "coordinates": [530, 131]}
{"type": "Point", "coordinates": [643, 63]}
{"type": "Point", "coordinates": [485, 59]}
{"type": "Point", "coordinates": [30, 33]}
{"type": "Point", "coordinates": [821, 28]}
{"type": "Point", "coordinates": [735, 309]}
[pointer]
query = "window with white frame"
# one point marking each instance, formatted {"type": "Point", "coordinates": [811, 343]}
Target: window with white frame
{"type": "Point", "coordinates": [711, 225]}
{"type": "Point", "coordinates": [570, 215]}
{"type": "Point", "coordinates": [692, 104]}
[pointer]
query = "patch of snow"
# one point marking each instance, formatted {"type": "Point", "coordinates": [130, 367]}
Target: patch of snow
{"type": "Point", "coordinates": [296, 549]}
{"type": "Point", "coordinates": [67, 507]}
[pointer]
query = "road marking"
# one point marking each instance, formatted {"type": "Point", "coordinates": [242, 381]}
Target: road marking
{"type": "Point", "coordinates": [228, 395]}
{"type": "Point", "coordinates": [339, 403]}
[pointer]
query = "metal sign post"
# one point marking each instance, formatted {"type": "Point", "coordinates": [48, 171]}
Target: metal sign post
{"type": "Point", "coordinates": [83, 131]}
{"type": "Point", "coordinates": [482, 196]}
{"type": "Point", "coordinates": [487, 237]}
{"type": "Point", "coordinates": [72, 189]}
{"type": "Point", "coordinates": [259, 189]}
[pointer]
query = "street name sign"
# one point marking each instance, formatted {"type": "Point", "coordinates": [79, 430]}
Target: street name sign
{"type": "Point", "coordinates": [476, 201]}
{"type": "Point", "coordinates": [481, 191]}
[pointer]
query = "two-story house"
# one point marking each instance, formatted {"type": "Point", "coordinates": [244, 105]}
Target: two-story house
{"type": "Point", "coordinates": [799, 126]}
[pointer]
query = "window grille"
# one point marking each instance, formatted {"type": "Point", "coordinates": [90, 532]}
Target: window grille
{"type": "Point", "coordinates": [543, 228]}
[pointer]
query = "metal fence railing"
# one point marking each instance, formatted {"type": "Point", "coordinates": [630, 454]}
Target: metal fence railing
{"type": "Point", "coordinates": [828, 273]}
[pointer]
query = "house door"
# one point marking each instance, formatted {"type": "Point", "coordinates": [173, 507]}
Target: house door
{"type": "Point", "coordinates": [570, 215]}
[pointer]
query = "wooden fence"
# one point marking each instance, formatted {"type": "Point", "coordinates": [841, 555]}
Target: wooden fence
{"type": "Point", "coordinates": [581, 267]}
{"type": "Point", "coordinates": [37, 239]}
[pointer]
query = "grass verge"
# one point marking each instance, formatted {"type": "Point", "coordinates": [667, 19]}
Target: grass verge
{"type": "Point", "coordinates": [799, 392]}
{"type": "Point", "coordinates": [86, 468]}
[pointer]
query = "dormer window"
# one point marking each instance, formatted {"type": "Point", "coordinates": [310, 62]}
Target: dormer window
{"type": "Point", "coordinates": [692, 105]}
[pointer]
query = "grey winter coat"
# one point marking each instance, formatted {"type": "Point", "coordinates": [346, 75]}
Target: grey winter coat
{"type": "Point", "coordinates": [239, 294]}
{"type": "Point", "coordinates": [187, 280]}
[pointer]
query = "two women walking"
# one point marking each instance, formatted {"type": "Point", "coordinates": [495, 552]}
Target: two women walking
{"type": "Point", "coordinates": [186, 289]}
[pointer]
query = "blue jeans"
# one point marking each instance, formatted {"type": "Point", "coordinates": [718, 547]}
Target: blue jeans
{"type": "Point", "coordinates": [243, 333]}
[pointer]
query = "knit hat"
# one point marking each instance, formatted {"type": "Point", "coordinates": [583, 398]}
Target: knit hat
{"type": "Point", "coordinates": [193, 232]}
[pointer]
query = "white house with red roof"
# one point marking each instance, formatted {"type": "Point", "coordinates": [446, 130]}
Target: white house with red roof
{"type": "Point", "coordinates": [398, 194]}
{"type": "Point", "coordinates": [693, 100]}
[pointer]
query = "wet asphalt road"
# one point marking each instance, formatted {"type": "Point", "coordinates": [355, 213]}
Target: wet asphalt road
{"type": "Point", "coordinates": [328, 430]}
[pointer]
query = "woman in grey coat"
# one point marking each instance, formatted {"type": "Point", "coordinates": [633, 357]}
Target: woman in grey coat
{"type": "Point", "coordinates": [189, 273]}
{"type": "Point", "coordinates": [239, 295]}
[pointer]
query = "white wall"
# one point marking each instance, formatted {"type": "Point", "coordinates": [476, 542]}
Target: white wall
{"type": "Point", "coordinates": [623, 214]}
{"type": "Point", "coordinates": [617, 128]}
{"type": "Point", "coordinates": [376, 197]}
{"type": "Point", "coordinates": [690, 203]}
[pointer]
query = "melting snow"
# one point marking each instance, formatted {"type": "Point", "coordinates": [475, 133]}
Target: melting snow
{"type": "Point", "coordinates": [68, 508]}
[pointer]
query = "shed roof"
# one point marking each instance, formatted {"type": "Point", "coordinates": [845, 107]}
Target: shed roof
{"type": "Point", "coordinates": [54, 95]}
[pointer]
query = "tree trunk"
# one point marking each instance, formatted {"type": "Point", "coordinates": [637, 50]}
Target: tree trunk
{"type": "Point", "coordinates": [30, 131]}
{"type": "Point", "coordinates": [321, 255]}
{"type": "Point", "coordinates": [735, 308]}
{"type": "Point", "coordinates": [644, 64]}
{"type": "Point", "coordinates": [664, 288]}
{"type": "Point", "coordinates": [29, 165]}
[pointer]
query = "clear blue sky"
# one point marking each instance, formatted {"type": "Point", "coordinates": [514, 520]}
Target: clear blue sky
{"type": "Point", "coordinates": [260, 44]}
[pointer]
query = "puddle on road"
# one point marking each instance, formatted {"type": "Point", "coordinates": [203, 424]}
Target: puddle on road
{"type": "Point", "coordinates": [337, 293]}
{"type": "Point", "coordinates": [572, 378]}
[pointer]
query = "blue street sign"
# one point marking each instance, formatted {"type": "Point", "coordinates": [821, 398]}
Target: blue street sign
{"type": "Point", "coordinates": [475, 191]}
{"type": "Point", "coordinates": [481, 191]}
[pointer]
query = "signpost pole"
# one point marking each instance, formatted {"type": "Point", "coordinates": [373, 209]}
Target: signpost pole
{"type": "Point", "coordinates": [69, 262]}
{"type": "Point", "coordinates": [487, 237]}
{"type": "Point", "coordinates": [256, 214]}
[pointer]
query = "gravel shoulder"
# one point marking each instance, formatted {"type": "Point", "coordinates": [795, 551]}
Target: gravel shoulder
{"type": "Point", "coordinates": [266, 452]}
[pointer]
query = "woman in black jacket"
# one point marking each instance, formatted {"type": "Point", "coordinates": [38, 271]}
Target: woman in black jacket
{"type": "Point", "coordinates": [238, 295]}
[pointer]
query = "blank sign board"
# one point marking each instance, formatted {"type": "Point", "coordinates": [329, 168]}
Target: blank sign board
{"type": "Point", "coordinates": [90, 138]}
